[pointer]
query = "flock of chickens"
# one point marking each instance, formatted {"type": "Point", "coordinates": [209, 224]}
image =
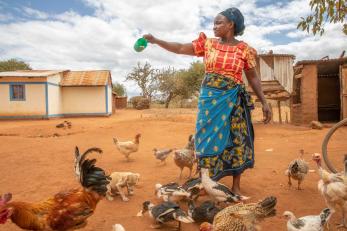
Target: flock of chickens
{"type": "Point", "coordinates": [226, 211]}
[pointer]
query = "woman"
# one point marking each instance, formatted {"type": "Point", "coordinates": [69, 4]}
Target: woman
{"type": "Point", "coordinates": [224, 132]}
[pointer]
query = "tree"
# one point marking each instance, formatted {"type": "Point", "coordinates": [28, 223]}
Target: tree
{"type": "Point", "coordinates": [192, 79]}
{"type": "Point", "coordinates": [168, 84]}
{"type": "Point", "coordinates": [119, 89]}
{"type": "Point", "coordinates": [13, 65]}
{"type": "Point", "coordinates": [333, 11]}
{"type": "Point", "coordinates": [145, 77]}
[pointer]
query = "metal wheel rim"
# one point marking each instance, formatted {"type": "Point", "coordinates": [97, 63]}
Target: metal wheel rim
{"type": "Point", "coordinates": [326, 141]}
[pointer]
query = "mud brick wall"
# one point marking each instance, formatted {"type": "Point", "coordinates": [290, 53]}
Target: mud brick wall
{"type": "Point", "coordinates": [309, 94]}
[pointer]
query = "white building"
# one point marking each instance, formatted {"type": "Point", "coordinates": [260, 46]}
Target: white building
{"type": "Point", "coordinates": [47, 93]}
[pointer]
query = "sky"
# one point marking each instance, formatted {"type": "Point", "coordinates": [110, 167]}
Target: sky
{"type": "Point", "coordinates": [100, 34]}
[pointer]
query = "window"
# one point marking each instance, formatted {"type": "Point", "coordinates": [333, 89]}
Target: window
{"type": "Point", "coordinates": [17, 92]}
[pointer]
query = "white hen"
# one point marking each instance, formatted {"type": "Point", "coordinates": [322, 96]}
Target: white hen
{"type": "Point", "coordinates": [333, 187]}
{"type": "Point", "coordinates": [128, 147]}
{"type": "Point", "coordinates": [217, 191]}
{"type": "Point", "coordinates": [307, 223]}
{"type": "Point", "coordinates": [118, 227]}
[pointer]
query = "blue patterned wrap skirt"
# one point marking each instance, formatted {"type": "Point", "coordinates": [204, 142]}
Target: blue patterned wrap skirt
{"type": "Point", "coordinates": [224, 138]}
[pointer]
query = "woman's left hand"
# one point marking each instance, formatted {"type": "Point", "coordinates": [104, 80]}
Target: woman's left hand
{"type": "Point", "coordinates": [267, 114]}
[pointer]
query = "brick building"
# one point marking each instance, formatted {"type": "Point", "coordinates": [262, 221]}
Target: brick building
{"type": "Point", "coordinates": [319, 91]}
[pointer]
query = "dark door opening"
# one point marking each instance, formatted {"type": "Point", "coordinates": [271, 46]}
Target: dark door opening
{"type": "Point", "coordinates": [329, 105]}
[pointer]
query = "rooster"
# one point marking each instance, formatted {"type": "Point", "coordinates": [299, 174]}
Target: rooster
{"type": "Point", "coordinates": [128, 147]}
{"type": "Point", "coordinates": [333, 187]}
{"type": "Point", "coordinates": [66, 210]}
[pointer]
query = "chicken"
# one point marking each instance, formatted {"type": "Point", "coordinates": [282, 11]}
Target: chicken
{"type": "Point", "coordinates": [66, 210]}
{"type": "Point", "coordinates": [128, 147]}
{"type": "Point", "coordinates": [65, 124]}
{"type": "Point", "coordinates": [165, 212]}
{"type": "Point", "coordinates": [118, 227]}
{"type": "Point", "coordinates": [203, 213]}
{"type": "Point", "coordinates": [186, 157]}
{"type": "Point", "coordinates": [171, 192]}
{"type": "Point", "coordinates": [242, 217]}
{"type": "Point", "coordinates": [297, 170]}
{"type": "Point", "coordinates": [219, 192]}
{"type": "Point", "coordinates": [333, 187]}
{"type": "Point", "coordinates": [162, 154]}
{"type": "Point", "coordinates": [194, 187]}
{"type": "Point", "coordinates": [307, 223]}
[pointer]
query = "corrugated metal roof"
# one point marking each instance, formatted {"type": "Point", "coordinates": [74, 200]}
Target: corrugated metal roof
{"type": "Point", "coordinates": [30, 73]}
{"type": "Point", "coordinates": [276, 55]}
{"type": "Point", "coordinates": [342, 60]}
{"type": "Point", "coordinates": [86, 78]}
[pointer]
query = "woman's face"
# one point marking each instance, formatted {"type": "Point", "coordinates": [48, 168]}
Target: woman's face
{"type": "Point", "coordinates": [222, 26]}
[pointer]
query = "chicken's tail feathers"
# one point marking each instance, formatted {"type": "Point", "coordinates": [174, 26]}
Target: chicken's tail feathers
{"type": "Point", "coordinates": [91, 176]}
{"type": "Point", "coordinates": [268, 206]}
{"type": "Point", "coordinates": [82, 157]}
{"type": "Point", "coordinates": [325, 216]}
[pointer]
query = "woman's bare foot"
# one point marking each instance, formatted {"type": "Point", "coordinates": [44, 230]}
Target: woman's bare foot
{"type": "Point", "coordinates": [236, 190]}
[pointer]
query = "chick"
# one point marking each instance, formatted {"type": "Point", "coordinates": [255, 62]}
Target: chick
{"type": "Point", "coordinates": [162, 154]}
{"type": "Point", "coordinates": [297, 170]}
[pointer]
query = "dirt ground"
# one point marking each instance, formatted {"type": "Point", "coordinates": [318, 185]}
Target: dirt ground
{"type": "Point", "coordinates": [37, 162]}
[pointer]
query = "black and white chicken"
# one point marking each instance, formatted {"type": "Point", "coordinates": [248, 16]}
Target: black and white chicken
{"type": "Point", "coordinates": [194, 187]}
{"type": "Point", "coordinates": [219, 192]}
{"type": "Point", "coordinates": [165, 212]}
{"type": "Point", "coordinates": [171, 192]}
{"type": "Point", "coordinates": [307, 223]}
{"type": "Point", "coordinates": [203, 213]}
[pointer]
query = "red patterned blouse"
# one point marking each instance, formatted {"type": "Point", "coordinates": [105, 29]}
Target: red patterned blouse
{"type": "Point", "coordinates": [225, 59]}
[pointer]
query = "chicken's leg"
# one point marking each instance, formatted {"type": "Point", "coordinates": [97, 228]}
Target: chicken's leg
{"type": "Point", "coordinates": [343, 222]}
{"type": "Point", "coordinates": [190, 173]}
{"type": "Point", "coordinates": [299, 183]}
{"type": "Point", "coordinates": [289, 181]}
{"type": "Point", "coordinates": [181, 173]}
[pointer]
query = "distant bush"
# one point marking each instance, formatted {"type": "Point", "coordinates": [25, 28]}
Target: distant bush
{"type": "Point", "coordinates": [140, 102]}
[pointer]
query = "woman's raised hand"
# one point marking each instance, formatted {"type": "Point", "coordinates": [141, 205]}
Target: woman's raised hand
{"type": "Point", "coordinates": [149, 37]}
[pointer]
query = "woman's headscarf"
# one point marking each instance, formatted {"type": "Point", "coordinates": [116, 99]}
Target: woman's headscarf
{"type": "Point", "coordinates": [235, 15]}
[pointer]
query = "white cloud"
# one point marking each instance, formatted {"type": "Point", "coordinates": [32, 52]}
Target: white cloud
{"type": "Point", "coordinates": [34, 13]}
{"type": "Point", "coordinates": [315, 47]}
{"type": "Point", "coordinates": [105, 40]}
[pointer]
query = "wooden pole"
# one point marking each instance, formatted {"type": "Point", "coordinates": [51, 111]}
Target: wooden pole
{"type": "Point", "coordinates": [279, 111]}
{"type": "Point", "coordinates": [270, 106]}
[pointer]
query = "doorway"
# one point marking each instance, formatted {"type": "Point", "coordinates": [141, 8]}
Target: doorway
{"type": "Point", "coordinates": [329, 103]}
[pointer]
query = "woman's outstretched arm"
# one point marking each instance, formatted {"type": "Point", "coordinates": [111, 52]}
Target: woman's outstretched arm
{"type": "Point", "coordinates": [178, 48]}
{"type": "Point", "coordinates": [255, 83]}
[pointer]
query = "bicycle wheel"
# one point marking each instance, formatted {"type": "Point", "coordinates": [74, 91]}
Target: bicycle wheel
{"type": "Point", "coordinates": [326, 141]}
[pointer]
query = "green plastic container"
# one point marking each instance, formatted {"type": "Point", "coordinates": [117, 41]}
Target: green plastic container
{"type": "Point", "coordinates": [140, 44]}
